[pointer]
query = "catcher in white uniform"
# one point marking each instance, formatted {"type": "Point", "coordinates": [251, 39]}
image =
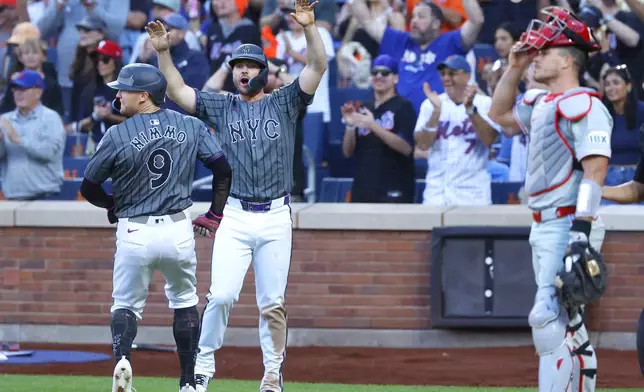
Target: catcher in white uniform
{"type": "Point", "coordinates": [568, 154]}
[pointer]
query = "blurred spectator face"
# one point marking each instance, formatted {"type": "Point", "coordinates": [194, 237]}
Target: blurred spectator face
{"type": "Point", "coordinates": [176, 36]}
{"type": "Point", "coordinates": [503, 42]}
{"type": "Point", "coordinates": [89, 38]}
{"type": "Point", "coordinates": [224, 8]}
{"type": "Point", "coordinates": [383, 79]}
{"type": "Point", "coordinates": [7, 14]}
{"type": "Point", "coordinates": [292, 24]}
{"type": "Point", "coordinates": [616, 86]}
{"type": "Point", "coordinates": [243, 70]}
{"type": "Point", "coordinates": [31, 55]}
{"type": "Point", "coordinates": [26, 98]}
{"type": "Point", "coordinates": [105, 65]}
{"type": "Point", "coordinates": [454, 81]}
{"type": "Point", "coordinates": [423, 26]}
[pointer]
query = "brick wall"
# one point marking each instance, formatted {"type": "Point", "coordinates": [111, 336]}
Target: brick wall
{"type": "Point", "coordinates": [357, 279]}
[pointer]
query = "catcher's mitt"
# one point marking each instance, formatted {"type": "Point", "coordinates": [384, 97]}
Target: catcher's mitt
{"type": "Point", "coordinates": [581, 281]}
{"type": "Point", "coordinates": [206, 224]}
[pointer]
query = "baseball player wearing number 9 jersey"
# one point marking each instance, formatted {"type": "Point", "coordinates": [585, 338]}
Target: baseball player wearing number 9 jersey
{"type": "Point", "coordinates": [455, 128]}
{"type": "Point", "coordinates": [151, 160]}
{"type": "Point", "coordinates": [257, 132]}
{"type": "Point", "coordinates": [569, 147]}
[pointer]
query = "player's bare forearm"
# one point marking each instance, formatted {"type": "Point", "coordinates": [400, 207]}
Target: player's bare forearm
{"type": "Point", "coordinates": [182, 94]}
{"type": "Point", "coordinates": [96, 195]}
{"type": "Point", "coordinates": [392, 140]}
{"type": "Point", "coordinates": [504, 98]}
{"type": "Point", "coordinates": [595, 168]}
{"type": "Point", "coordinates": [630, 192]}
{"type": "Point", "coordinates": [484, 131]}
{"type": "Point", "coordinates": [316, 61]}
{"type": "Point", "coordinates": [349, 142]}
{"type": "Point", "coordinates": [472, 27]}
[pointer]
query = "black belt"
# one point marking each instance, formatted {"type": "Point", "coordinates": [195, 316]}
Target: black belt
{"type": "Point", "coordinates": [261, 206]}
{"type": "Point", "coordinates": [143, 219]}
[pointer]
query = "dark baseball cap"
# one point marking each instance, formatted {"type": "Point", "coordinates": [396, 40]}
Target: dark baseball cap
{"type": "Point", "coordinates": [456, 63]}
{"type": "Point", "coordinates": [386, 63]}
{"type": "Point", "coordinates": [91, 22]}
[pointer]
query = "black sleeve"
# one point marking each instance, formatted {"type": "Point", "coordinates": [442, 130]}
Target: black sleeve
{"type": "Point", "coordinates": [96, 195]}
{"type": "Point", "coordinates": [253, 13]}
{"type": "Point", "coordinates": [639, 171]}
{"type": "Point", "coordinates": [221, 180]}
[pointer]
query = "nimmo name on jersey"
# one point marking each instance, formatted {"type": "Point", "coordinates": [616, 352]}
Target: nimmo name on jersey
{"type": "Point", "coordinates": [153, 133]}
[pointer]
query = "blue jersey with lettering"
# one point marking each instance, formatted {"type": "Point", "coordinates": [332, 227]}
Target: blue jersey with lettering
{"type": "Point", "coordinates": [418, 66]}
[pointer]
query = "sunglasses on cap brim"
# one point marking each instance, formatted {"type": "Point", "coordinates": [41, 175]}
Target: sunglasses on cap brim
{"type": "Point", "coordinates": [381, 71]}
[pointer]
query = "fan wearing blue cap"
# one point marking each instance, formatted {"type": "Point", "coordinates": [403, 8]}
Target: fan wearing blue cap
{"type": "Point", "coordinates": [32, 139]}
{"type": "Point", "coordinates": [379, 135]}
{"type": "Point", "coordinates": [420, 50]}
{"type": "Point", "coordinates": [455, 128]}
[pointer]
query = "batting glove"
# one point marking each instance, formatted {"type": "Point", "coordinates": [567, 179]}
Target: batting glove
{"type": "Point", "coordinates": [206, 224]}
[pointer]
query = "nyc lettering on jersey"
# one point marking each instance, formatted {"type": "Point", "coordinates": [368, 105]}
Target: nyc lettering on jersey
{"type": "Point", "coordinates": [154, 133]}
{"type": "Point", "coordinates": [239, 128]}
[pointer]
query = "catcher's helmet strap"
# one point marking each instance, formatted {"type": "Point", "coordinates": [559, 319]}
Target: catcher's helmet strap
{"type": "Point", "coordinates": [578, 40]}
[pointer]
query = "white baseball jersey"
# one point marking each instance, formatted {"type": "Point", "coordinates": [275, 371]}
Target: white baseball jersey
{"type": "Point", "coordinates": [457, 162]}
{"type": "Point", "coordinates": [563, 129]}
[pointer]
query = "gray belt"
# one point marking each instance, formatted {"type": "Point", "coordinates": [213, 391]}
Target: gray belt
{"type": "Point", "coordinates": [144, 219]}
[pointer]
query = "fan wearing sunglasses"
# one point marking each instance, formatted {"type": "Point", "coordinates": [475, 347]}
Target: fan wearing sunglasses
{"type": "Point", "coordinates": [379, 134]}
{"type": "Point", "coordinates": [99, 116]}
{"type": "Point", "coordinates": [621, 99]}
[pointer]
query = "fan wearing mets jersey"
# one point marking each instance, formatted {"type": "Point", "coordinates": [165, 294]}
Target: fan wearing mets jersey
{"type": "Point", "coordinates": [151, 160]}
{"type": "Point", "coordinates": [455, 128]}
{"type": "Point", "coordinates": [257, 132]}
{"type": "Point", "coordinates": [568, 153]}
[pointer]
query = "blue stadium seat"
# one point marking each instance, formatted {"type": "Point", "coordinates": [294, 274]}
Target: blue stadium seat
{"type": "Point", "coordinates": [506, 192]}
{"type": "Point", "coordinates": [335, 190]}
{"type": "Point", "coordinates": [418, 194]}
{"type": "Point", "coordinates": [75, 145]}
{"type": "Point", "coordinates": [74, 167]}
{"type": "Point", "coordinates": [339, 165]}
{"type": "Point", "coordinates": [420, 168]}
{"type": "Point", "coordinates": [332, 69]}
{"type": "Point", "coordinates": [314, 135]}
{"type": "Point", "coordinates": [337, 97]}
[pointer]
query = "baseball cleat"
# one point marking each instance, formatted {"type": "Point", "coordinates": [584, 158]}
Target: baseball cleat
{"type": "Point", "coordinates": [187, 388]}
{"type": "Point", "coordinates": [202, 382]}
{"type": "Point", "coordinates": [271, 384]}
{"type": "Point", "coordinates": [122, 381]}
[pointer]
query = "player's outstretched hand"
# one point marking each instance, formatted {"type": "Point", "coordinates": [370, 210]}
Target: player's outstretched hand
{"type": "Point", "coordinates": [304, 12]}
{"type": "Point", "coordinates": [432, 96]}
{"type": "Point", "coordinates": [159, 37]}
{"type": "Point", "coordinates": [206, 224]}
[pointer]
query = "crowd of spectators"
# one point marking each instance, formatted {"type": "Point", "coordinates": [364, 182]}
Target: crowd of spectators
{"type": "Point", "coordinates": [430, 91]}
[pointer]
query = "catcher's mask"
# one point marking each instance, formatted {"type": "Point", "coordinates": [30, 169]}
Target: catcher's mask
{"type": "Point", "coordinates": [562, 28]}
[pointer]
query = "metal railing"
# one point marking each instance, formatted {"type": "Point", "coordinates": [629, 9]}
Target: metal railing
{"type": "Point", "coordinates": [309, 192]}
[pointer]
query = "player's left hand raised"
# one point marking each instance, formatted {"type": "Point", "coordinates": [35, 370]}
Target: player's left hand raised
{"type": "Point", "coordinates": [304, 12]}
{"type": "Point", "coordinates": [206, 224]}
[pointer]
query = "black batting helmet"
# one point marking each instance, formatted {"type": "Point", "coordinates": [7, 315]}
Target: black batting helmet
{"type": "Point", "coordinates": [142, 77]}
{"type": "Point", "coordinates": [253, 53]}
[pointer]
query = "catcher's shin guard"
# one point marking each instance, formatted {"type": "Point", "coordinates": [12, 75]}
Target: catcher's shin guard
{"type": "Point", "coordinates": [556, 361]}
{"type": "Point", "coordinates": [585, 377]}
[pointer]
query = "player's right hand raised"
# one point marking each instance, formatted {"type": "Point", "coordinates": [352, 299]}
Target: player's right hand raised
{"type": "Point", "coordinates": [206, 224]}
{"type": "Point", "coordinates": [520, 57]}
{"type": "Point", "coordinates": [159, 37]}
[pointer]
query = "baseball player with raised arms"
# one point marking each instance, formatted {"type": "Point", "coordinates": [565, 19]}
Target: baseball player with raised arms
{"type": "Point", "coordinates": [569, 148]}
{"type": "Point", "coordinates": [257, 132]}
{"type": "Point", "coordinates": [151, 159]}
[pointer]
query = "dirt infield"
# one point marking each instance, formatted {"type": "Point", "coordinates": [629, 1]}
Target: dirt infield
{"type": "Point", "coordinates": [474, 367]}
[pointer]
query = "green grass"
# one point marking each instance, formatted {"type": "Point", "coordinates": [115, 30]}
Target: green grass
{"type": "Point", "coordinates": [20, 383]}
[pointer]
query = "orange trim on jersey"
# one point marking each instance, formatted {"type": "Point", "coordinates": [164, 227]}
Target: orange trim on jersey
{"type": "Point", "coordinates": [565, 142]}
